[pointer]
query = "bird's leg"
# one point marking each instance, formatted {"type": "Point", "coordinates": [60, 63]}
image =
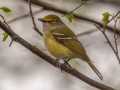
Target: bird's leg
{"type": "Point", "coordinates": [59, 64]}
{"type": "Point", "coordinates": [68, 60]}
{"type": "Point", "coordinates": [58, 60]}
{"type": "Point", "coordinates": [66, 63]}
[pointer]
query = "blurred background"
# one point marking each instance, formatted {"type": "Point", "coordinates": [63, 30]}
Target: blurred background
{"type": "Point", "coordinates": [22, 70]}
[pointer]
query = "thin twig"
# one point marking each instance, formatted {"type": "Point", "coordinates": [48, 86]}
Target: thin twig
{"type": "Point", "coordinates": [110, 21]}
{"type": "Point", "coordinates": [76, 7]}
{"type": "Point", "coordinates": [4, 21]}
{"type": "Point", "coordinates": [35, 27]}
{"type": "Point", "coordinates": [115, 37]}
{"type": "Point", "coordinates": [8, 28]}
{"type": "Point", "coordinates": [116, 49]}
{"type": "Point", "coordinates": [108, 41]}
{"type": "Point", "coordinates": [113, 16]}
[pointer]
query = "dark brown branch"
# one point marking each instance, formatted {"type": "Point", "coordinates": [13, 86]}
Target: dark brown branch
{"type": "Point", "coordinates": [48, 6]}
{"type": "Point", "coordinates": [35, 27]}
{"type": "Point", "coordinates": [47, 58]}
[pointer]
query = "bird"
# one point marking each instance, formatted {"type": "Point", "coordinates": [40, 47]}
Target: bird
{"type": "Point", "coordinates": [62, 42]}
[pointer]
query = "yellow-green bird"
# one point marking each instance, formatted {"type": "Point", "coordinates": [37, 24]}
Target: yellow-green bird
{"type": "Point", "coordinates": [62, 43]}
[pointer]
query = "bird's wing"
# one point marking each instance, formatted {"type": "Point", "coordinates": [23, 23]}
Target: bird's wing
{"type": "Point", "coordinates": [66, 37]}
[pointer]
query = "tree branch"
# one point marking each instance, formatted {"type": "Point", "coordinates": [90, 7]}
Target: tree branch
{"type": "Point", "coordinates": [115, 50]}
{"type": "Point", "coordinates": [48, 6]}
{"type": "Point", "coordinates": [32, 17]}
{"type": "Point", "coordinates": [47, 58]}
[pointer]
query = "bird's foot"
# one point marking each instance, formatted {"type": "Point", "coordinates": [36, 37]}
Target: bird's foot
{"type": "Point", "coordinates": [67, 64]}
{"type": "Point", "coordinates": [59, 64]}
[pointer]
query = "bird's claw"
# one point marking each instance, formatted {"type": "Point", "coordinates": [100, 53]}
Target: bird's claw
{"type": "Point", "coordinates": [59, 64]}
{"type": "Point", "coordinates": [67, 64]}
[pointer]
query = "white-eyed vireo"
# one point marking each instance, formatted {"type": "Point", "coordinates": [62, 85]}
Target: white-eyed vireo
{"type": "Point", "coordinates": [62, 43]}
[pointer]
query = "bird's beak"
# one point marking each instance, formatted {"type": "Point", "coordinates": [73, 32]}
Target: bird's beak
{"type": "Point", "coordinates": [41, 19]}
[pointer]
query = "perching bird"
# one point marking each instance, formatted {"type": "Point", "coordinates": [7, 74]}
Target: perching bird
{"type": "Point", "coordinates": [62, 43]}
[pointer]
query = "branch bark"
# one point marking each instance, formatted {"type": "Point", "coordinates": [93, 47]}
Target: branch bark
{"type": "Point", "coordinates": [50, 60]}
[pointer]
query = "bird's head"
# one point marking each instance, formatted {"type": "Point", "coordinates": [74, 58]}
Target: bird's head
{"type": "Point", "coordinates": [51, 22]}
{"type": "Point", "coordinates": [52, 19]}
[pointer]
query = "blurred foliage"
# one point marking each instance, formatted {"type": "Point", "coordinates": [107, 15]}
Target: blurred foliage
{"type": "Point", "coordinates": [105, 18]}
{"type": "Point", "coordinates": [118, 17]}
{"type": "Point", "coordinates": [70, 17]}
{"type": "Point", "coordinates": [5, 9]}
{"type": "Point", "coordinates": [5, 35]}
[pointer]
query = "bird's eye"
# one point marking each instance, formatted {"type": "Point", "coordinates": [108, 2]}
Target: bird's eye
{"type": "Point", "coordinates": [53, 20]}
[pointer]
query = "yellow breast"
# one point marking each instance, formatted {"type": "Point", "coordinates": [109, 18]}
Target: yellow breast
{"type": "Point", "coordinates": [55, 48]}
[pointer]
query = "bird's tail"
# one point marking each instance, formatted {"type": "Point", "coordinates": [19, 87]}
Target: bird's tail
{"type": "Point", "coordinates": [95, 69]}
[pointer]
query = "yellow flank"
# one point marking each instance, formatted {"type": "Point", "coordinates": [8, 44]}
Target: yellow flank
{"type": "Point", "coordinates": [56, 49]}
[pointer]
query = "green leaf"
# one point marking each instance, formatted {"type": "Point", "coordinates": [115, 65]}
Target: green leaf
{"type": "Point", "coordinates": [105, 18]}
{"type": "Point", "coordinates": [5, 9]}
{"type": "Point", "coordinates": [118, 17]}
{"type": "Point", "coordinates": [5, 35]}
{"type": "Point", "coordinates": [70, 17]}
